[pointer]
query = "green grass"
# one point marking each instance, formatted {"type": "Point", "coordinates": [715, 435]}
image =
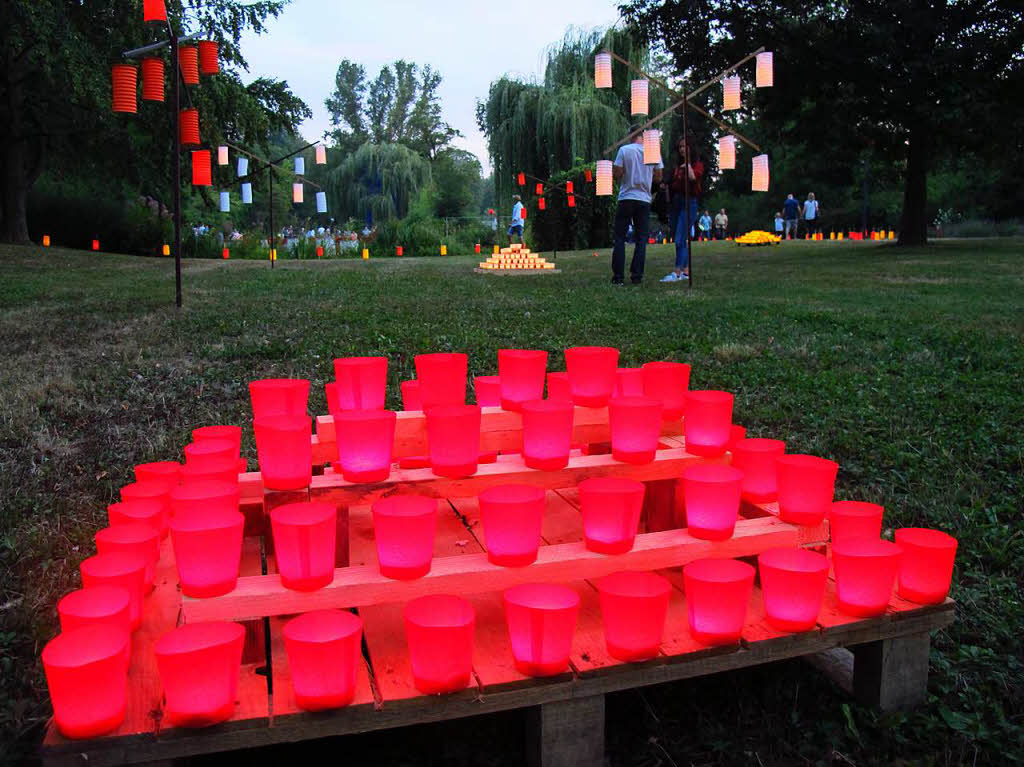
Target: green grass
{"type": "Point", "coordinates": [905, 366]}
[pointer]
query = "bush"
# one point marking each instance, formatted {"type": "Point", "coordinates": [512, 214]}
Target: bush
{"type": "Point", "coordinates": [975, 227]}
{"type": "Point", "coordinates": [74, 222]}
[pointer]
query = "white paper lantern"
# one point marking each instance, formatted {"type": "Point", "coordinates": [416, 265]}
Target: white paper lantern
{"type": "Point", "coordinates": [604, 178]}
{"type": "Point", "coordinates": [222, 155]}
{"type": "Point", "coordinates": [300, 166]}
{"type": "Point", "coordinates": [731, 92]}
{"type": "Point", "coordinates": [247, 194]}
{"type": "Point", "coordinates": [652, 147]}
{"type": "Point", "coordinates": [759, 178]}
{"type": "Point", "coordinates": [603, 70]}
{"type": "Point", "coordinates": [727, 153]}
{"type": "Point", "coordinates": [225, 202]}
{"type": "Point", "coordinates": [638, 97]}
{"type": "Point", "coordinates": [321, 154]}
{"type": "Point", "coordinates": [297, 193]}
{"type": "Point", "coordinates": [243, 166]}
{"type": "Point", "coordinates": [765, 72]}
{"type": "Point", "coordinates": [321, 202]}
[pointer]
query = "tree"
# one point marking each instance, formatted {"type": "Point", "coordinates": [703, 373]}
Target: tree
{"type": "Point", "coordinates": [455, 174]}
{"type": "Point", "coordinates": [381, 179]}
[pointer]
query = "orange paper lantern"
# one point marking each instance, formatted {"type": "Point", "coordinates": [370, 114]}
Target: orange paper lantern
{"type": "Point", "coordinates": [731, 92]}
{"type": "Point", "coordinates": [652, 147]}
{"type": "Point", "coordinates": [46, 241]}
{"type": "Point", "coordinates": [638, 101]}
{"type": "Point", "coordinates": [759, 179]}
{"type": "Point", "coordinates": [208, 61]}
{"type": "Point", "coordinates": [153, 10]}
{"type": "Point", "coordinates": [188, 60]}
{"type": "Point", "coordinates": [321, 154]}
{"type": "Point", "coordinates": [202, 173]}
{"type": "Point", "coordinates": [764, 76]}
{"type": "Point", "coordinates": [222, 155]}
{"type": "Point", "coordinates": [603, 70]}
{"type": "Point", "coordinates": [124, 78]}
{"type": "Point", "coordinates": [588, 176]}
{"type": "Point", "coordinates": [153, 79]}
{"type": "Point", "coordinates": [604, 178]}
{"type": "Point", "coordinates": [297, 196]}
{"type": "Point", "coordinates": [727, 153]}
{"type": "Point", "coordinates": [188, 123]}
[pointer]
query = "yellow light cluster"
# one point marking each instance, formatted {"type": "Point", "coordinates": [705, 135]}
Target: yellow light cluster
{"type": "Point", "coordinates": [516, 257]}
{"type": "Point", "coordinates": [758, 237]}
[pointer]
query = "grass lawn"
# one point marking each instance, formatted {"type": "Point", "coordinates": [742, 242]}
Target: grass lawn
{"type": "Point", "coordinates": [906, 366]}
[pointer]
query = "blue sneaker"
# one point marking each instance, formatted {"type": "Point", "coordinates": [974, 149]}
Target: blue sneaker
{"type": "Point", "coordinates": [673, 277]}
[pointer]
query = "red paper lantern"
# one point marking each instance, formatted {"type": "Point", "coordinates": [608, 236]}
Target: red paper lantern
{"type": "Point", "coordinates": [188, 127]}
{"type": "Point", "coordinates": [572, 201]}
{"type": "Point", "coordinates": [712, 499]}
{"type": "Point", "coordinates": [95, 244]}
{"type": "Point", "coordinates": [399, 251]}
{"type": "Point", "coordinates": [96, 606]}
{"type": "Point", "coordinates": [439, 632]}
{"type": "Point", "coordinates": [442, 378]}
{"type": "Point", "coordinates": [362, 382]}
{"type": "Point", "coordinates": [806, 487]}
{"type": "Point", "coordinates": [166, 472]}
{"type": "Point", "coordinates": [324, 655]}
{"type": "Point", "coordinates": [285, 451]}
{"type": "Point", "coordinates": [200, 497]}
{"type": "Point", "coordinates": [541, 205]}
{"type": "Point", "coordinates": [568, 187]}
{"type": "Point", "coordinates": [717, 596]}
{"type": "Point", "coordinates": [188, 59]}
{"type": "Point", "coordinates": [865, 571]}
{"type": "Point", "coordinates": [476, 248]}
{"type": "Point", "coordinates": [926, 566]}
{"type": "Point", "coordinates": [129, 512]}
{"type": "Point", "coordinates": [521, 374]}
{"type": "Point", "coordinates": [541, 619]}
{"type": "Point", "coordinates": [202, 173]}
{"type": "Point", "coordinates": [667, 382]}
{"type": "Point", "coordinates": [223, 471]}
{"type": "Point", "coordinates": [207, 550]}
{"type": "Point", "coordinates": [153, 79]}
{"type": "Point", "coordinates": [611, 512]}
{"type": "Point", "coordinates": [521, 179]}
{"type": "Point", "coordinates": [366, 440]}
{"type": "Point", "coordinates": [633, 610]}
{"type": "Point", "coordinates": [635, 428]}
{"type": "Point", "coordinates": [319, 251]}
{"type": "Point", "coordinates": [124, 81]}
{"type": "Point", "coordinates": [226, 253]}
{"type": "Point", "coordinates": [592, 374]}
{"type": "Point", "coordinates": [512, 517]}
{"type": "Point", "coordinates": [453, 439]}
{"type": "Point", "coordinates": [547, 433]}
{"type": "Point", "coordinates": [304, 538]}
{"type": "Point", "coordinates": [208, 62]}
{"type": "Point", "coordinates": [403, 528]}
{"type": "Point", "coordinates": [757, 458]}
{"type": "Point", "coordinates": [793, 583]}
{"type": "Point", "coordinates": [736, 433]}
{"type": "Point", "coordinates": [127, 571]}
{"type": "Point", "coordinates": [524, 212]}
{"type": "Point", "coordinates": [153, 10]}
{"type": "Point", "coordinates": [199, 665]}
{"type": "Point", "coordinates": [629, 382]}
{"type": "Point", "coordinates": [707, 422]}
{"type": "Point", "coordinates": [558, 387]}
{"type": "Point", "coordinates": [539, 189]}
{"type": "Point", "coordinates": [279, 396]}
{"type": "Point", "coordinates": [588, 175]}
{"type": "Point", "coordinates": [411, 395]}
{"type": "Point", "coordinates": [220, 432]}
{"type": "Point", "coordinates": [135, 538]}
{"type": "Point", "coordinates": [854, 519]}
{"type": "Point", "coordinates": [487, 390]}
{"type": "Point", "coordinates": [87, 675]}
{"type": "Point", "coordinates": [211, 453]}
{"type": "Point", "coordinates": [158, 492]}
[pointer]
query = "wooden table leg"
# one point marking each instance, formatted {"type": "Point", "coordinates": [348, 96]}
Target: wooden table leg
{"type": "Point", "coordinates": [566, 733]}
{"type": "Point", "coordinates": [892, 673]}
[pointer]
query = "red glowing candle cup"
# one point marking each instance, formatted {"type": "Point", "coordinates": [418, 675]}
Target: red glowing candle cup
{"type": "Point", "coordinates": [487, 390]}
{"type": "Point", "coordinates": [541, 619]}
{"type": "Point", "coordinates": [304, 540]}
{"type": "Point", "coordinates": [592, 374]}
{"type": "Point", "coordinates": [442, 378]}
{"type": "Point", "coordinates": [211, 455]}
{"type": "Point", "coordinates": [668, 382]}
{"type": "Point", "coordinates": [403, 527]}
{"type": "Point", "coordinates": [324, 653]}
{"type": "Point", "coordinates": [134, 538]}
{"type": "Point", "coordinates": [285, 451]}
{"type": "Point", "coordinates": [205, 498]}
{"type": "Point", "coordinates": [635, 427]}
{"type": "Point", "coordinates": [87, 675]}
{"type": "Point", "coordinates": [127, 571]}
{"type": "Point", "coordinates": [629, 382]}
{"type": "Point", "coordinates": [220, 432]}
{"type": "Point", "coordinates": [807, 485]}
{"type": "Point", "coordinates": [207, 551]}
{"type": "Point", "coordinates": [717, 596]}
{"type": "Point", "coordinates": [865, 570]}
{"type": "Point", "coordinates": [279, 396]}
{"type": "Point", "coordinates": [736, 435]}
{"type": "Point", "coordinates": [633, 609]}
{"type": "Point", "coordinates": [521, 375]}
{"type": "Point", "coordinates": [547, 433]}
{"type": "Point", "coordinates": [199, 664]}
{"type": "Point", "coordinates": [711, 496]}
{"type": "Point", "coordinates": [163, 472]}
{"type": "Point", "coordinates": [362, 382]}
{"type": "Point", "coordinates": [96, 606]}
{"type": "Point", "coordinates": [152, 492]}
{"type": "Point", "coordinates": [453, 439]}
{"type": "Point", "coordinates": [366, 440]}
{"type": "Point", "coordinates": [757, 458]}
{"type": "Point", "coordinates": [411, 395]}
{"type": "Point", "coordinates": [558, 387]}
{"type": "Point", "coordinates": [854, 519]}
{"type": "Point", "coordinates": [707, 423]}
{"type": "Point", "coordinates": [137, 512]}
{"type": "Point", "coordinates": [439, 632]}
{"type": "Point", "coordinates": [611, 509]}
{"type": "Point", "coordinates": [926, 566]}
{"type": "Point", "coordinates": [512, 516]}
{"type": "Point", "coordinates": [793, 584]}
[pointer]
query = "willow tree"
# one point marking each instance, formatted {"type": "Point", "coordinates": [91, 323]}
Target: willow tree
{"type": "Point", "coordinates": [380, 179]}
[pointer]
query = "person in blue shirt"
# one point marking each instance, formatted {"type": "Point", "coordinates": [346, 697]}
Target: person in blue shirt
{"type": "Point", "coordinates": [791, 212]}
{"type": "Point", "coordinates": [634, 207]}
{"type": "Point", "coordinates": [516, 227]}
{"type": "Point", "coordinates": [778, 223]}
{"type": "Point", "coordinates": [704, 224]}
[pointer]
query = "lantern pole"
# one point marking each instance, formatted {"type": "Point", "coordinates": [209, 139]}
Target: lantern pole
{"type": "Point", "coordinates": [273, 232]}
{"type": "Point", "coordinates": [686, 198]}
{"type": "Point", "coordinates": [176, 143]}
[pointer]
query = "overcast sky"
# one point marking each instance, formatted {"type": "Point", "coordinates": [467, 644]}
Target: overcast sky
{"type": "Point", "coordinates": [471, 43]}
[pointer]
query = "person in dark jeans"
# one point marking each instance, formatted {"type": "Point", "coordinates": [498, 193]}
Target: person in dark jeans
{"type": "Point", "coordinates": [634, 207]}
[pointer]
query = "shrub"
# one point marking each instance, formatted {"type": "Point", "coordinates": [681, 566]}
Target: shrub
{"type": "Point", "coordinates": [123, 227]}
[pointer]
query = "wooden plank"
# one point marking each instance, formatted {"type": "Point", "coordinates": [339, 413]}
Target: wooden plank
{"type": "Point", "coordinates": [567, 733]}
{"type": "Point", "coordinates": [892, 674]}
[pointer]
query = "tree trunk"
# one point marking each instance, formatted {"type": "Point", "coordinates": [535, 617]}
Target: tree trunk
{"type": "Point", "coordinates": [15, 222]}
{"type": "Point", "coordinates": [914, 226]}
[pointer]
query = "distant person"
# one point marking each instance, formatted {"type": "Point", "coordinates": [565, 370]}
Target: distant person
{"type": "Point", "coordinates": [778, 223]}
{"type": "Point", "coordinates": [515, 229]}
{"type": "Point", "coordinates": [812, 213]}
{"type": "Point", "coordinates": [721, 224]}
{"type": "Point", "coordinates": [704, 224]}
{"type": "Point", "coordinates": [791, 213]}
{"type": "Point", "coordinates": [634, 207]}
{"type": "Point", "coordinates": [687, 180]}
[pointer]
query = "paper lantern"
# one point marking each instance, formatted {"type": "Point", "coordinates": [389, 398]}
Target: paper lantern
{"type": "Point", "coordinates": [558, 387]}
{"type": "Point", "coordinates": [399, 250]}
{"type": "Point", "coordinates": [300, 166]}
{"type": "Point", "coordinates": [806, 488]}
{"type": "Point", "coordinates": [211, 453]}
{"type": "Point", "coordinates": [652, 147]}
{"type": "Point", "coordinates": [304, 541]}
{"type": "Point", "coordinates": [324, 650]}
{"type": "Point", "coordinates": [199, 665]}
{"type": "Point", "coordinates": [243, 167]}
{"type": "Point", "coordinates": [201, 170]}
{"type": "Point", "coordinates": [759, 178]}
{"type": "Point", "coordinates": [717, 596]}
{"type": "Point", "coordinates": [453, 438]}
{"type": "Point", "coordinates": [95, 244]}
{"type": "Point", "coordinates": [188, 59]}
{"type": "Point", "coordinates": [588, 176]}
{"type": "Point", "coordinates": [541, 619]}
{"type": "Point", "coordinates": [793, 583]}
{"type": "Point", "coordinates": [765, 72]}
{"type": "Point", "coordinates": [208, 61]}
{"type": "Point", "coordinates": [541, 204]}
{"type": "Point", "coordinates": [442, 378]}
{"type": "Point", "coordinates": [571, 201]}
{"type": "Point", "coordinates": [403, 528]}
{"type": "Point", "coordinates": [365, 440]}
{"type": "Point", "coordinates": [321, 154]}
{"type": "Point", "coordinates": [203, 497]}
{"type": "Point", "coordinates": [153, 79]}
{"type": "Point", "coordinates": [757, 459]}
{"type": "Point", "coordinates": [707, 422]}
{"type": "Point", "coordinates": [539, 190]}
{"type": "Point", "coordinates": [150, 492]}
{"type": "Point", "coordinates": [439, 632]}
{"type": "Point", "coordinates": [547, 433]}
{"type": "Point", "coordinates": [711, 496]}
{"type": "Point", "coordinates": [604, 178]}
{"type": "Point", "coordinates": [127, 570]}
{"type": "Point", "coordinates": [521, 179]}
{"type": "Point", "coordinates": [476, 248]}
{"type": "Point", "coordinates": [132, 538]}
{"type": "Point", "coordinates": [487, 390]}
{"type": "Point", "coordinates": [511, 516]}
{"type": "Point", "coordinates": [96, 606]}
{"type": "Point", "coordinates": [521, 376]}
{"type": "Point", "coordinates": [188, 127]}
{"type": "Point", "coordinates": [46, 241]}
{"type": "Point", "coordinates": [225, 202]}
{"type": "Point", "coordinates": [222, 155]}
{"type": "Point", "coordinates": [611, 508]}
{"type": "Point", "coordinates": [568, 187]}
{"type": "Point", "coordinates": [284, 450]}
{"type": "Point", "coordinates": [366, 254]}
{"type": "Point", "coordinates": [638, 97]}
{"type": "Point", "coordinates": [634, 607]}
{"type": "Point", "coordinates": [668, 383]}
{"type": "Point", "coordinates": [603, 70]}
{"type": "Point", "coordinates": [592, 374]}
{"type": "Point", "coordinates": [247, 193]}
{"type": "Point", "coordinates": [297, 193]}
{"type": "Point", "coordinates": [629, 382]}
{"type": "Point", "coordinates": [635, 425]}
{"type": "Point", "coordinates": [124, 79]}
{"type": "Point", "coordinates": [926, 565]}
{"type": "Point", "coordinates": [207, 549]}
{"type": "Point", "coordinates": [727, 153]}
{"type": "Point", "coordinates": [319, 251]}
{"type": "Point", "coordinates": [321, 202]}
{"type": "Point", "coordinates": [865, 570]}
{"type": "Point", "coordinates": [731, 92]}
{"type": "Point", "coordinates": [854, 519]}
{"type": "Point", "coordinates": [153, 10]}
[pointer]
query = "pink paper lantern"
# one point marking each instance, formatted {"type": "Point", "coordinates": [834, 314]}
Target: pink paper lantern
{"type": "Point", "coordinates": [547, 433]}
{"type": "Point", "coordinates": [162, 472]}
{"type": "Point", "coordinates": [403, 528]}
{"type": "Point", "coordinates": [712, 497]}
{"type": "Point", "coordinates": [131, 512]}
{"type": "Point", "coordinates": [137, 538]}
{"type": "Point", "coordinates": [304, 542]}
{"type": "Point", "coordinates": [558, 387]}
{"type": "Point", "coordinates": [707, 422]}
{"type": "Point", "coordinates": [361, 382]}
{"type": "Point", "coordinates": [411, 395]}
{"type": "Point", "coordinates": [127, 571]}
{"type": "Point", "coordinates": [629, 382]}
{"type": "Point", "coordinates": [854, 519]}
{"type": "Point", "coordinates": [96, 606]}
{"type": "Point", "coordinates": [453, 439]}
{"type": "Point", "coordinates": [611, 508]}
{"type": "Point", "coordinates": [439, 632]}
{"type": "Point", "coordinates": [521, 375]}
{"type": "Point", "coordinates": [442, 378]}
{"type": "Point", "coordinates": [926, 566]}
{"type": "Point", "coordinates": [865, 572]}
{"type": "Point", "coordinates": [592, 374]}
{"type": "Point", "coordinates": [279, 396]}
{"type": "Point", "coordinates": [635, 428]}
{"type": "Point", "coordinates": [512, 516]}
{"type": "Point", "coordinates": [205, 498]}
{"type": "Point", "coordinates": [717, 596]}
{"type": "Point", "coordinates": [541, 619]}
{"type": "Point", "coordinates": [633, 610]}
{"type": "Point", "coordinates": [207, 551]}
{"type": "Point", "coordinates": [757, 458]}
{"type": "Point", "coordinates": [153, 492]}
{"type": "Point", "coordinates": [667, 382]}
{"type": "Point", "coordinates": [324, 654]}
{"type": "Point", "coordinates": [793, 583]}
{"type": "Point", "coordinates": [199, 665]}
{"type": "Point", "coordinates": [285, 451]}
{"type": "Point", "coordinates": [806, 487]}
{"type": "Point", "coordinates": [365, 440]}
{"type": "Point", "coordinates": [487, 390]}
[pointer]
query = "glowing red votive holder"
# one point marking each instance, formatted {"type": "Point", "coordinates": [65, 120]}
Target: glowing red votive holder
{"type": "Point", "coordinates": [285, 451]}
{"type": "Point", "coordinates": [211, 454]}
{"type": "Point", "coordinates": [487, 390]}
{"type": "Point", "coordinates": [707, 423]}
{"type": "Point", "coordinates": [96, 606]}
{"type": "Point", "coordinates": [541, 620]}
{"type": "Point", "coordinates": [807, 485]}
{"type": "Point", "coordinates": [162, 472]}
{"type": "Point", "coordinates": [222, 432]}
{"type": "Point", "coordinates": [558, 387]}
{"type": "Point", "coordinates": [634, 607]}
{"type": "Point", "coordinates": [199, 664]}
{"type": "Point", "coordinates": [711, 495]}
{"type": "Point", "coordinates": [442, 378]}
{"type": "Point", "coordinates": [521, 376]}
{"type": "Point", "coordinates": [865, 570]}
{"type": "Point", "coordinates": [304, 540]}
{"type": "Point", "coordinates": [87, 675]}
{"type": "Point", "coordinates": [453, 439]}
{"type": "Point", "coordinates": [403, 527]}
{"type": "Point", "coordinates": [137, 512]}
{"type": "Point", "coordinates": [635, 428]}
{"type": "Point", "coordinates": [324, 653]}
{"type": "Point", "coordinates": [757, 458]}
{"type": "Point", "coordinates": [668, 382]}
{"type": "Point", "coordinates": [629, 382]}
{"type": "Point", "coordinates": [279, 396]}
{"type": "Point", "coordinates": [717, 596]}
{"type": "Point", "coordinates": [592, 374]}
{"type": "Point", "coordinates": [926, 566]}
{"type": "Point", "coordinates": [547, 433]}
{"type": "Point", "coordinates": [439, 632]}
{"type": "Point", "coordinates": [736, 435]}
{"type": "Point", "coordinates": [205, 498]}
{"type": "Point", "coordinates": [153, 492]}
{"type": "Point", "coordinates": [366, 440]}
{"type": "Point", "coordinates": [134, 538]}
{"type": "Point", "coordinates": [855, 519]}
{"type": "Point", "coordinates": [611, 509]}
{"type": "Point", "coordinates": [361, 382]}
{"type": "Point", "coordinates": [220, 470]}
{"type": "Point", "coordinates": [411, 395]}
{"type": "Point", "coordinates": [793, 585]}
{"type": "Point", "coordinates": [512, 516]}
{"type": "Point", "coordinates": [207, 551]}
{"type": "Point", "coordinates": [128, 571]}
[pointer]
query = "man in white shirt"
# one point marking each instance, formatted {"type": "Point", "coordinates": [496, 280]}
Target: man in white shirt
{"type": "Point", "coordinates": [811, 212]}
{"type": "Point", "coordinates": [516, 227]}
{"type": "Point", "coordinates": [634, 207]}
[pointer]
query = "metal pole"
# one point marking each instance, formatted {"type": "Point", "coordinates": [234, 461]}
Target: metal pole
{"type": "Point", "coordinates": [273, 234]}
{"type": "Point", "coordinates": [686, 197]}
{"type": "Point", "coordinates": [176, 143]}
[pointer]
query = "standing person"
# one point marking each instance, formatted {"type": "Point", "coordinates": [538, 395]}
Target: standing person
{"type": "Point", "coordinates": [812, 211]}
{"type": "Point", "coordinates": [778, 223]}
{"type": "Point", "coordinates": [704, 224]}
{"type": "Point", "coordinates": [721, 224]}
{"type": "Point", "coordinates": [515, 229]}
{"type": "Point", "coordinates": [791, 212]}
{"type": "Point", "coordinates": [687, 179]}
{"type": "Point", "coordinates": [634, 207]}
